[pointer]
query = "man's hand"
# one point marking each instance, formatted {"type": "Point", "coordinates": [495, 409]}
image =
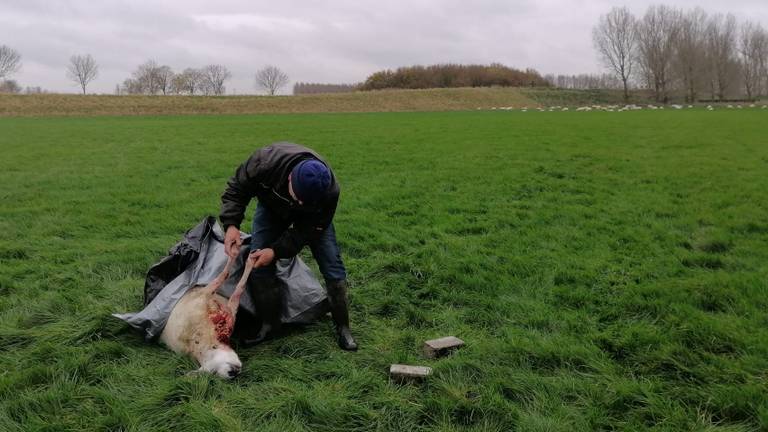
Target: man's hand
{"type": "Point", "coordinates": [262, 257]}
{"type": "Point", "coordinates": [232, 241]}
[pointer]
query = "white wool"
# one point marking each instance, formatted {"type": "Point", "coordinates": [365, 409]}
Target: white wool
{"type": "Point", "coordinates": [190, 331]}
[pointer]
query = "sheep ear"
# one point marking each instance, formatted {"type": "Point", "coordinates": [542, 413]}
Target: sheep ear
{"type": "Point", "coordinates": [196, 372]}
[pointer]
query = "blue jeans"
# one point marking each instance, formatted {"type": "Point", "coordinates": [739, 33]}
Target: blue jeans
{"type": "Point", "coordinates": [267, 228]}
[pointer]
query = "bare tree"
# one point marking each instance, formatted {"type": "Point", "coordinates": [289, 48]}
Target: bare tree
{"type": "Point", "coordinates": [615, 38]}
{"type": "Point", "coordinates": [10, 86]}
{"type": "Point", "coordinates": [764, 67]}
{"type": "Point", "coordinates": [690, 52]}
{"type": "Point", "coordinates": [132, 86]}
{"type": "Point", "coordinates": [271, 79]}
{"type": "Point", "coordinates": [10, 61]}
{"type": "Point", "coordinates": [35, 90]}
{"type": "Point", "coordinates": [721, 49]}
{"type": "Point", "coordinates": [657, 34]}
{"type": "Point", "coordinates": [753, 44]}
{"type": "Point", "coordinates": [213, 78]}
{"type": "Point", "coordinates": [82, 69]}
{"type": "Point", "coordinates": [585, 81]}
{"type": "Point", "coordinates": [146, 79]}
{"type": "Point", "coordinates": [164, 76]}
{"type": "Point", "coordinates": [188, 81]}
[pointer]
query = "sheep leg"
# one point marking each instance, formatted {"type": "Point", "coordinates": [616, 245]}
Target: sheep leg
{"type": "Point", "coordinates": [216, 283]}
{"type": "Point", "coordinates": [234, 299]}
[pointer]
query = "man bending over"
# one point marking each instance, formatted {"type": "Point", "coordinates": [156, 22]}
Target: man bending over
{"type": "Point", "coordinates": [297, 195]}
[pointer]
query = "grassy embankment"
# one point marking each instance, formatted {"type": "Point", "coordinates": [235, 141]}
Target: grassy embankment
{"type": "Point", "coordinates": [375, 101]}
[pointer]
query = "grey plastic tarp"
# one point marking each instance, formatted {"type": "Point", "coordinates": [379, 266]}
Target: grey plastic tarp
{"type": "Point", "coordinates": [197, 259]}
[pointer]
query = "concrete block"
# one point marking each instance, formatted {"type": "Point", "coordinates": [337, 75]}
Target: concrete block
{"type": "Point", "coordinates": [403, 373]}
{"type": "Point", "coordinates": [443, 346]}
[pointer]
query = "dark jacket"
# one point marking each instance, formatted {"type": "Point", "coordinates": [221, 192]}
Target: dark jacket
{"type": "Point", "coordinates": [265, 176]}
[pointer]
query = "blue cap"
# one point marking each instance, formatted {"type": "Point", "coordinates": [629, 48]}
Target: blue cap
{"type": "Point", "coordinates": [310, 180]}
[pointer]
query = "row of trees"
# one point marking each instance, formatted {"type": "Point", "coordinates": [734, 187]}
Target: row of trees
{"type": "Point", "coordinates": [453, 75]}
{"type": "Point", "coordinates": [669, 49]}
{"type": "Point", "coordinates": [584, 81]}
{"type": "Point", "coordinates": [313, 88]}
{"type": "Point", "coordinates": [151, 78]}
{"type": "Point", "coordinates": [11, 86]}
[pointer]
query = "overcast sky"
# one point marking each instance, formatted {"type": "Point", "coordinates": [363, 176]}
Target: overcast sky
{"type": "Point", "coordinates": [329, 41]}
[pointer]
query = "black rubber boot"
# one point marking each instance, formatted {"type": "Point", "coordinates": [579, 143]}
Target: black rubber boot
{"type": "Point", "coordinates": [265, 292]}
{"type": "Point", "coordinates": [337, 298]}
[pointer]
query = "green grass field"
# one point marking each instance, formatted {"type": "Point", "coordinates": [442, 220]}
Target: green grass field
{"type": "Point", "coordinates": [608, 271]}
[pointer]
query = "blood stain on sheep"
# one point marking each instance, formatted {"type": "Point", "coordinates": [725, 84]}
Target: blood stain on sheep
{"type": "Point", "coordinates": [222, 322]}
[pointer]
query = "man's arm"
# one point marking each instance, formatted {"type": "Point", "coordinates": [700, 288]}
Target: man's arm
{"type": "Point", "coordinates": [241, 187]}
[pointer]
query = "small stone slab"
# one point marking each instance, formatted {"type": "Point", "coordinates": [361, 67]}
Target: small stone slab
{"type": "Point", "coordinates": [402, 373]}
{"type": "Point", "coordinates": [443, 346]}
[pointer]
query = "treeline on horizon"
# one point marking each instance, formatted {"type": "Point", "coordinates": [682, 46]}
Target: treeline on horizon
{"type": "Point", "coordinates": [315, 88]}
{"type": "Point", "coordinates": [684, 53]}
{"type": "Point", "coordinates": [151, 78]}
{"type": "Point", "coordinates": [453, 75]}
{"type": "Point", "coordinates": [435, 76]}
